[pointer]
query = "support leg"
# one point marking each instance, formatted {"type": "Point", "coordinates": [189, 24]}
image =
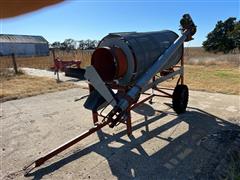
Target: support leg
{"type": "Point", "coordinates": [95, 117]}
{"type": "Point", "coordinates": [151, 100]}
{"type": "Point", "coordinates": [58, 79]}
{"type": "Point", "coordinates": [129, 123]}
{"type": "Point", "coordinates": [182, 66]}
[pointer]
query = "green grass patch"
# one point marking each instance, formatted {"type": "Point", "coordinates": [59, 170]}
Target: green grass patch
{"type": "Point", "coordinates": [226, 74]}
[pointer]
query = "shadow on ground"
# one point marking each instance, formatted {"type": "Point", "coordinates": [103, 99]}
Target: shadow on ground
{"type": "Point", "coordinates": [195, 152]}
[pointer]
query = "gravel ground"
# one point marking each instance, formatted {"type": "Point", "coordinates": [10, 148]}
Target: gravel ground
{"type": "Point", "coordinates": [163, 145]}
{"type": "Point", "coordinates": [50, 74]}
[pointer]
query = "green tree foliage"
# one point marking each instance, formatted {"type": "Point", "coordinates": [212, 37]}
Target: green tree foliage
{"type": "Point", "coordinates": [56, 45]}
{"type": "Point", "coordinates": [225, 37]}
{"type": "Point", "coordinates": [235, 34]}
{"type": "Point", "coordinates": [68, 44]}
{"type": "Point", "coordinates": [71, 44]}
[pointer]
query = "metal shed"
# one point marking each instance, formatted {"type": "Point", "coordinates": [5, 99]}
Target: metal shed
{"type": "Point", "coordinates": [23, 45]}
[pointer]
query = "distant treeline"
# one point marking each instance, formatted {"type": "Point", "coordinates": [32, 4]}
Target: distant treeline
{"type": "Point", "coordinates": [71, 44]}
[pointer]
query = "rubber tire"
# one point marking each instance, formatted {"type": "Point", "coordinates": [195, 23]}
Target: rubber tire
{"type": "Point", "coordinates": [180, 98]}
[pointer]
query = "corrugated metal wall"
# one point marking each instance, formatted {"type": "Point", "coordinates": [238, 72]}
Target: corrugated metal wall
{"type": "Point", "coordinates": [24, 49]}
{"type": "Point", "coordinates": [22, 45]}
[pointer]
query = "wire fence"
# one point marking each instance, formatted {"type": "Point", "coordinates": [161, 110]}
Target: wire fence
{"type": "Point", "coordinates": [46, 62]}
{"type": "Point", "coordinates": [192, 56]}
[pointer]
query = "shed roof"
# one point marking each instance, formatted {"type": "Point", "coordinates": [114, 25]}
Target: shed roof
{"type": "Point", "coordinates": [12, 38]}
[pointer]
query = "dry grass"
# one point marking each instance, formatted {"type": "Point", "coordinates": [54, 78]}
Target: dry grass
{"type": "Point", "coordinates": [198, 56]}
{"type": "Point", "coordinates": [221, 79]}
{"type": "Point", "coordinates": [19, 86]}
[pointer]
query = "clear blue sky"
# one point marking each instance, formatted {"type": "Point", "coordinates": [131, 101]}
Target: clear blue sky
{"type": "Point", "coordinates": [94, 19]}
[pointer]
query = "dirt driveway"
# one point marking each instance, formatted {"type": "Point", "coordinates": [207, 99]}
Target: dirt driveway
{"type": "Point", "coordinates": [163, 145]}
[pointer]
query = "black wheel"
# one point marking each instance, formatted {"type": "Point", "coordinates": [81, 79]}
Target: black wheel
{"type": "Point", "coordinates": [180, 99]}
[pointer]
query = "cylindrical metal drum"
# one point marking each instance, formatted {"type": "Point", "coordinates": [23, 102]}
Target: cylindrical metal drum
{"type": "Point", "coordinates": [125, 56]}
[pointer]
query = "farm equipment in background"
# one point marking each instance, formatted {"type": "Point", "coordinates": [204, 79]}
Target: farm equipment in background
{"type": "Point", "coordinates": [61, 65]}
{"type": "Point", "coordinates": [125, 66]}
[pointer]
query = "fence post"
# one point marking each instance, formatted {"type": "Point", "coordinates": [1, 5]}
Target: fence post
{"type": "Point", "coordinates": [53, 54]}
{"type": "Point", "coordinates": [56, 68]}
{"type": "Point", "coordinates": [14, 63]}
